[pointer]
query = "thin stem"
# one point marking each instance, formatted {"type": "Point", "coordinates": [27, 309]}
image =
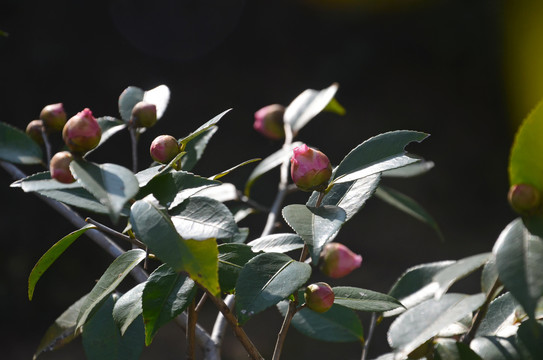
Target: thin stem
{"type": "Point", "coordinates": [134, 141]}
{"type": "Point", "coordinates": [191, 329]}
{"type": "Point", "coordinates": [238, 331]}
{"type": "Point", "coordinates": [117, 234]}
{"type": "Point", "coordinates": [201, 303]}
{"type": "Point", "coordinates": [373, 323]}
{"type": "Point", "coordinates": [220, 323]}
{"type": "Point", "coordinates": [281, 336]}
{"type": "Point", "coordinates": [47, 144]}
{"type": "Point", "coordinates": [466, 339]}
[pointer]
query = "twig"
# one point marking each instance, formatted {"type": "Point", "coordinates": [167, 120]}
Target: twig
{"type": "Point", "coordinates": [281, 336]}
{"type": "Point", "coordinates": [245, 199]}
{"type": "Point", "coordinates": [366, 347]}
{"type": "Point", "coordinates": [134, 141]}
{"type": "Point", "coordinates": [191, 329]}
{"type": "Point", "coordinates": [238, 331]}
{"type": "Point", "coordinates": [217, 335]}
{"type": "Point", "coordinates": [115, 233]}
{"type": "Point", "coordinates": [47, 144]}
{"type": "Point", "coordinates": [201, 303]}
{"type": "Point", "coordinates": [466, 339]}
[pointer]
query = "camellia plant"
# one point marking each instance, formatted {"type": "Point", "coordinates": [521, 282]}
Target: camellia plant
{"type": "Point", "coordinates": [185, 246]}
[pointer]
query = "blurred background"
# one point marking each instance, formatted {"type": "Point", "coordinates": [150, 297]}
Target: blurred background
{"type": "Point", "coordinates": [465, 71]}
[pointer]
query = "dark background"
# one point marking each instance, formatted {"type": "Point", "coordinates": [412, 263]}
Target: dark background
{"type": "Point", "coordinates": [436, 66]}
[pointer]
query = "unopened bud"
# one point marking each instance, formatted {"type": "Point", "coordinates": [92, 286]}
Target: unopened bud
{"type": "Point", "coordinates": [319, 297]}
{"type": "Point", "coordinates": [143, 114]}
{"type": "Point", "coordinates": [525, 199]}
{"type": "Point", "coordinates": [34, 131]}
{"type": "Point", "coordinates": [54, 117]}
{"type": "Point", "coordinates": [269, 121]}
{"type": "Point", "coordinates": [337, 260]}
{"type": "Point", "coordinates": [82, 132]}
{"type": "Point", "coordinates": [310, 169]}
{"type": "Point", "coordinates": [164, 149]}
{"type": "Point", "coordinates": [60, 167]}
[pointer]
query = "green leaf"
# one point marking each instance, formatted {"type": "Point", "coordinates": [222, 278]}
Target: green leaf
{"type": "Point", "coordinates": [42, 181]}
{"type": "Point", "coordinates": [411, 170]}
{"type": "Point", "coordinates": [79, 198]}
{"type": "Point", "coordinates": [519, 259]}
{"type": "Point", "coordinates": [201, 218]}
{"type": "Point", "coordinates": [364, 300]}
{"type": "Point", "coordinates": [16, 147]}
{"type": "Point", "coordinates": [128, 98]}
{"type": "Point", "coordinates": [109, 126]}
{"type": "Point", "coordinates": [495, 348]}
{"type": "Point", "coordinates": [447, 277]}
{"type": "Point", "coordinates": [416, 285]}
{"type": "Point", "coordinates": [226, 172]}
{"type": "Point", "coordinates": [502, 318]}
{"type": "Point", "coordinates": [223, 193]}
{"type": "Point", "coordinates": [202, 128]}
{"type": "Point", "coordinates": [307, 105]}
{"type": "Point", "coordinates": [62, 331]}
{"type": "Point", "coordinates": [350, 196]}
{"type": "Point", "coordinates": [530, 337]}
{"type": "Point", "coordinates": [128, 307]}
{"type": "Point", "coordinates": [171, 189]}
{"type": "Point", "coordinates": [377, 154]}
{"type": "Point", "coordinates": [195, 148]}
{"type": "Point", "coordinates": [489, 276]}
{"type": "Point", "coordinates": [113, 185]}
{"type": "Point", "coordinates": [155, 229]}
{"type": "Point", "coordinates": [335, 107]}
{"type": "Point", "coordinates": [111, 278]}
{"type": "Point", "coordinates": [339, 324]}
{"type": "Point", "coordinates": [448, 349]}
{"type": "Point", "coordinates": [279, 243]}
{"type": "Point", "coordinates": [265, 280]}
{"type": "Point", "coordinates": [269, 163]}
{"type": "Point", "coordinates": [419, 324]}
{"type": "Point", "coordinates": [160, 97]}
{"type": "Point", "coordinates": [51, 256]}
{"type": "Point", "coordinates": [166, 294]}
{"type": "Point", "coordinates": [232, 258]}
{"type": "Point", "coordinates": [316, 226]}
{"type": "Point", "coordinates": [408, 205]}
{"type": "Point", "coordinates": [102, 340]}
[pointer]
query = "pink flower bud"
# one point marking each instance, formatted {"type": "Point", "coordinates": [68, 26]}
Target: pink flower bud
{"type": "Point", "coordinates": [319, 297]}
{"type": "Point", "coordinates": [337, 260]}
{"type": "Point", "coordinates": [54, 117]}
{"type": "Point", "coordinates": [33, 130]}
{"type": "Point", "coordinates": [525, 199]}
{"type": "Point", "coordinates": [60, 167]}
{"type": "Point", "coordinates": [143, 114]}
{"type": "Point", "coordinates": [164, 148]}
{"type": "Point", "coordinates": [269, 121]}
{"type": "Point", "coordinates": [310, 169]}
{"type": "Point", "coordinates": [82, 132]}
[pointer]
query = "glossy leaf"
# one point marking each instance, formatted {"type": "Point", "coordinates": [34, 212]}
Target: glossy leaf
{"type": "Point", "coordinates": [201, 218]}
{"type": "Point", "coordinates": [364, 300]}
{"type": "Point", "coordinates": [51, 256]}
{"type": "Point", "coordinates": [377, 154]}
{"type": "Point", "coordinates": [316, 226]}
{"type": "Point", "coordinates": [128, 307]}
{"type": "Point", "coordinates": [350, 196]}
{"type": "Point", "coordinates": [113, 185]}
{"type": "Point", "coordinates": [166, 294]}
{"type": "Point", "coordinates": [419, 324]}
{"type": "Point", "coordinates": [446, 277]}
{"type": "Point", "coordinates": [232, 258]}
{"type": "Point", "coordinates": [195, 148]}
{"type": "Point", "coordinates": [268, 164]}
{"type": "Point", "coordinates": [502, 318]}
{"type": "Point", "coordinates": [223, 192]}
{"type": "Point", "coordinates": [202, 128]}
{"type": "Point", "coordinates": [80, 198]}
{"type": "Point", "coordinates": [16, 147]}
{"type": "Point", "coordinates": [411, 170]}
{"type": "Point", "coordinates": [173, 188]}
{"type": "Point", "coordinates": [519, 259]}
{"type": "Point", "coordinates": [339, 324]}
{"type": "Point", "coordinates": [448, 349]}
{"type": "Point", "coordinates": [226, 172]}
{"type": "Point", "coordinates": [62, 331]}
{"type": "Point", "coordinates": [495, 348]}
{"type": "Point", "coordinates": [128, 98]}
{"type": "Point", "coordinates": [265, 280]}
{"type": "Point", "coordinates": [279, 243]}
{"type": "Point", "coordinates": [107, 283]}
{"type": "Point", "coordinates": [154, 228]}
{"type": "Point", "coordinates": [42, 181]}
{"type": "Point", "coordinates": [408, 205]}
{"type": "Point", "coordinates": [416, 285]}
{"type": "Point", "coordinates": [489, 276]}
{"type": "Point", "coordinates": [160, 97]}
{"type": "Point", "coordinates": [103, 341]}
{"type": "Point", "coordinates": [307, 105]}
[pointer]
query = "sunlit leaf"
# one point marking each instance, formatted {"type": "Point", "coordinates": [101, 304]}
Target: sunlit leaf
{"type": "Point", "coordinates": [128, 307]}
{"type": "Point", "coordinates": [195, 148]}
{"type": "Point", "coordinates": [502, 317]}
{"type": "Point", "coordinates": [226, 172]}
{"type": "Point", "coordinates": [202, 128]}
{"type": "Point", "coordinates": [495, 348]}
{"type": "Point", "coordinates": [279, 243]}
{"type": "Point", "coordinates": [364, 300]}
